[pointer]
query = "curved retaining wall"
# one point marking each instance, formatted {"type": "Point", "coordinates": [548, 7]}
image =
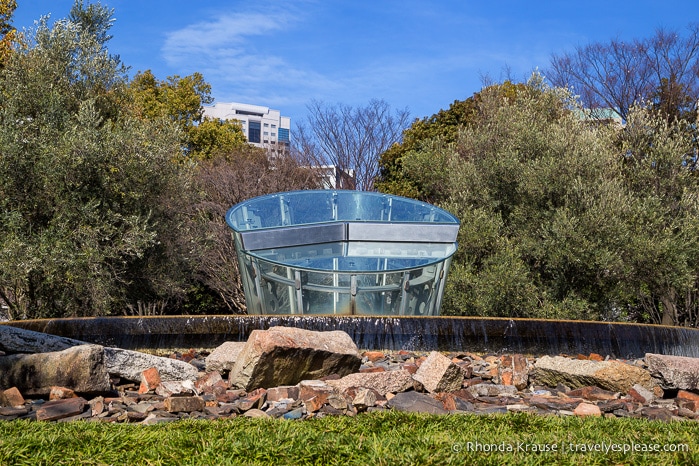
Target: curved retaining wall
{"type": "Point", "coordinates": [482, 335]}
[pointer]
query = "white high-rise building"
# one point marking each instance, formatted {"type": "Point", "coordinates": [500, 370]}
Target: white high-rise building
{"type": "Point", "coordinates": [262, 126]}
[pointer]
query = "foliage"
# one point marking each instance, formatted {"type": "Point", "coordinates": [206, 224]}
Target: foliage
{"type": "Point", "coordinates": [180, 100]}
{"type": "Point", "coordinates": [349, 138]}
{"type": "Point", "coordinates": [8, 33]}
{"type": "Point", "coordinates": [389, 438]}
{"type": "Point", "coordinates": [88, 195]}
{"type": "Point", "coordinates": [444, 127]}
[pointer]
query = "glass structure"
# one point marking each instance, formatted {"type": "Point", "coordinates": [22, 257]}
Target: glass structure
{"type": "Point", "coordinates": [342, 252]}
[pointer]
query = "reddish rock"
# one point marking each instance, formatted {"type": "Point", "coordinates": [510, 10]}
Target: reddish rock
{"type": "Point", "coordinates": [314, 394]}
{"type": "Point", "coordinates": [184, 404]}
{"type": "Point", "coordinates": [368, 370]}
{"type": "Point", "coordinates": [512, 370]}
{"type": "Point", "coordinates": [61, 393]}
{"type": "Point", "coordinates": [284, 392]}
{"type": "Point", "coordinates": [207, 382]}
{"type": "Point", "coordinates": [447, 399]}
{"type": "Point", "coordinates": [640, 394]}
{"type": "Point", "coordinates": [686, 395]}
{"type": "Point", "coordinates": [674, 371]}
{"type": "Point", "coordinates": [595, 357]}
{"type": "Point", "coordinates": [254, 399]}
{"type": "Point", "coordinates": [592, 393]}
{"type": "Point", "coordinates": [150, 379]}
{"type": "Point", "coordinates": [11, 397]}
{"type": "Point", "coordinates": [587, 409]}
{"type": "Point", "coordinates": [60, 409]}
{"type": "Point", "coordinates": [410, 367]}
{"type": "Point", "coordinates": [287, 355]}
{"type": "Point", "coordinates": [374, 356]}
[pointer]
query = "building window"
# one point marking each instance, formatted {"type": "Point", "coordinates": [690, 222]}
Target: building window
{"type": "Point", "coordinates": [254, 132]}
{"type": "Point", "coordinates": [283, 135]}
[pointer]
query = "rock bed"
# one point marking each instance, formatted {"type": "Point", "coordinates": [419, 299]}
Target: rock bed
{"type": "Point", "coordinates": [655, 387]}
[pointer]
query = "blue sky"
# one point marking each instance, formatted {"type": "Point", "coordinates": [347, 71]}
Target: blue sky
{"type": "Point", "coordinates": [419, 55]}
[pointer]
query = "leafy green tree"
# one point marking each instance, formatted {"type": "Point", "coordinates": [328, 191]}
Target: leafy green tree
{"type": "Point", "coordinates": [89, 196]}
{"type": "Point", "coordinates": [443, 126]}
{"type": "Point", "coordinates": [181, 100]}
{"type": "Point", "coordinates": [7, 32]}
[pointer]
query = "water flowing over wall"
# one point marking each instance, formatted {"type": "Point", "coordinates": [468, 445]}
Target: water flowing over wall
{"type": "Point", "coordinates": [480, 335]}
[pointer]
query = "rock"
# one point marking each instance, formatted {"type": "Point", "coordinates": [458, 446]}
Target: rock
{"type": "Point", "coordinates": [592, 393]}
{"type": "Point", "coordinates": [285, 392]}
{"type": "Point", "coordinates": [438, 373]}
{"type": "Point", "coordinates": [416, 402]}
{"type": "Point", "coordinates": [223, 358]}
{"type": "Point", "coordinates": [610, 375]}
{"type": "Point", "coordinates": [513, 370]}
{"type": "Point", "coordinates": [315, 393]}
{"type": "Point", "coordinates": [175, 387]}
{"type": "Point", "coordinates": [587, 409]}
{"type": "Point", "coordinates": [11, 397]}
{"type": "Point", "coordinates": [382, 382]}
{"type": "Point", "coordinates": [364, 399]}
{"type": "Point", "coordinates": [489, 389]}
{"type": "Point", "coordinates": [674, 371]}
{"type": "Point", "coordinates": [184, 404]}
{"type": "Point", "coordinates": [61, 393]}
{"type": "Point", "coordinates": [207, 382]}
{"type": "Point", "coordinates": [79, 368]}
{"type": "Point", "coordinates": [59, 409]}
{"type": "Point", "coordinates": [287, 355]}
{"type": "Point", "coordinates": [150, 379]}
{"type": "Point", "coordinates": [18, 340]}
{"type": "Point", "coordinates": [130, 364]}
{"type": "Point", "coordinates": [641, 394]}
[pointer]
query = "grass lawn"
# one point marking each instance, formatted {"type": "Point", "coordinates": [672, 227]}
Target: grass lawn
{"type": "Point", "coordinates": [390, 438]}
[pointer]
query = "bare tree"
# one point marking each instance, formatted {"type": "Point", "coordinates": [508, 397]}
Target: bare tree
{"type": "Point", "coordinates": [662, 70]}
{"type": "Point", "coordinates": [225, 181]}
{"type": "Point", "coordinates": [351, 139]}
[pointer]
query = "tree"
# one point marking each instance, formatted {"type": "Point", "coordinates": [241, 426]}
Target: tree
{"type": "Point", "coordinates": [89, 196]}
{"type": "Point", "coordinates": [8, 33]}
{"type": "Point", "coordinates": [226, 180]}
{"type": "Point", "coordinates": [349, 138]}
{"type": "Point", "coordinates": [663, 70]}
{"type": "Point", "coordinates": [443, 126]}
{"type": "Point", "coordinates": [177, 99]}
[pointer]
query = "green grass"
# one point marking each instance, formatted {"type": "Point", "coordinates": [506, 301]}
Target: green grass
{"type": "Point", "coordinates": [390, 438]}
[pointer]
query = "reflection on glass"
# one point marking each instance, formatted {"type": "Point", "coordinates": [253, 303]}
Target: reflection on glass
{"type": "Point", "coordinates": [297, 263]}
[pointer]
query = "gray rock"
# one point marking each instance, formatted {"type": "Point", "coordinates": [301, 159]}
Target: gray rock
{"type": "Point", "coordinates": [489, 389]}
{"type": "Point", "coordinates": [382, 382]}
{"type": "Point", "coordinates": [438, 373]}
{"type": "Point", "coordinates": [287, 355]}
{"type": "Point", "coordinates": [674, 371]}
{"type": "Point", "coordinates": [129, 365]}
{"type": "Point", "coordinates": [610, 375]}
{"type": "Point", "coordinates": [417, 403]}
{"type": "Point", "coordinates": [18, 340]}
{"type": "Point", "coordinates": [79, 368]}
{"type": "Point", "coordinates": [223, 358]}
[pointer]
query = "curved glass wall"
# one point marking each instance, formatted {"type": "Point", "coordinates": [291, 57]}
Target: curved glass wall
{"type": "Point", "coordinates": [342, 252]}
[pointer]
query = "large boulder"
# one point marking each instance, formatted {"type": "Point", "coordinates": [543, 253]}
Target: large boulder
{"type": "Point", "coordinates": [438, 373]}
{"type": "Point", "coordinates": [130, 364]}
{"type": "Point", "coordinates": [223, 358]}
{"type": "Point", "coordinates": [674, 371]}
{"type": "Point", "coordinates": [575, 373]}
{"type": "Point", "coordinates": [80, 368]}
{"type": "Point", "coordinates": [19, 340]}
{"type": "Point", "coordinates": [287, 355]}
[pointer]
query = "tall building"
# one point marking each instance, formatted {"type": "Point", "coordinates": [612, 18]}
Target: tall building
{"type": "Point", "coordinates": [262, 126]}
